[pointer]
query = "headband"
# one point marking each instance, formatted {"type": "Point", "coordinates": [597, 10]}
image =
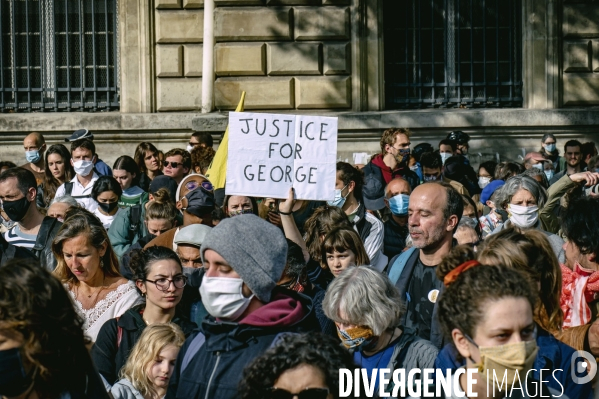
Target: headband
{"type": "Point", "coordinates": [453, 275]}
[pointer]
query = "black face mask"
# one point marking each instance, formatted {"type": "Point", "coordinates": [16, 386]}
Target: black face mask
{"type": "Point", "coordinates": [14, 381]}
{"type": "Point", "coordinates": [17, 209]}
{"type": "Point", "coordinates": [108, 206]}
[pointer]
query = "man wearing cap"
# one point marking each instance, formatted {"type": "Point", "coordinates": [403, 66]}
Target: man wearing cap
{"type": "Point", "coordinates": [83, 156]}
{"type": "Point", "coordinates": [244, 258]}
{"type": "Point", "coordinates": [397, 199]}
{"type": "Point", "coordinates": [195, 200]}
{"type": "Point", "coordinates": [393, 161]}
{"type": "Point", "coordinates": [534, 160]}
{"type": "Point", "coordinates": [188, 242]}
{"type": "Point", "coordinates": [101, 167]}
{"type": "Point", "coordinates": [35, 146]}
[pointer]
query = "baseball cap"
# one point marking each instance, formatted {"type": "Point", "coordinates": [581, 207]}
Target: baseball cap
{"type": "Point", "coordinates": [535, 156]}
{"type": "Point", "coordinates": [193, 234]}
{"type": "Point", "coordinates": [79, 135]}
{"type": "Point", "coordinates": [373, 193]}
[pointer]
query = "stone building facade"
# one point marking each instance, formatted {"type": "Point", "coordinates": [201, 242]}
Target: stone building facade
{"type": "Point", "coordinates": [323, 57]}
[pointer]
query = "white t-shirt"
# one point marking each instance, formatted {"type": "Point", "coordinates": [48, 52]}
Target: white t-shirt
{"type": "Point", "coordinates": [106, 219]}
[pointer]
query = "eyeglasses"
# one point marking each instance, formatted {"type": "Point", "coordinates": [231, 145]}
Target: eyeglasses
{"type": "Point", "coordinates": [172, 164]}
{"type": "Point", "coordinates": [163, 284]}
{"type": "Point", "coordinates": [308, 393]}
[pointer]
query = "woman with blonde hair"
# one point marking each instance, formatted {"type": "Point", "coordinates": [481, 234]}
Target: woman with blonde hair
{"type": "Point", "coordinates": [89, 270]}
{"type": "Point", "coordinates": [148, 370]}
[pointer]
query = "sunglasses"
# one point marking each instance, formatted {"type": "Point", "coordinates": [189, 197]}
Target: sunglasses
{"type": "Point", "coordinates": [192, 185]}
{"type": "Point", "coordinates": [172, 164]}
{"type": "Point", "coordinates": [308, 393]}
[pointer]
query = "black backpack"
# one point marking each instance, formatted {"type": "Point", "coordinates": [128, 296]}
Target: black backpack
{"type": "Point", "coordinates": [68, 189]}
{"type": "Point", "coordinates": [134, 220]}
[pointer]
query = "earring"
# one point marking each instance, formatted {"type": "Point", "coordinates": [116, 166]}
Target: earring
{"type": "Point", "coordinates": [102, 264]}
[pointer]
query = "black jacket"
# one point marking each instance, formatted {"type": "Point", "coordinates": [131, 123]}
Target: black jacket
{"type": "Point", "coordinates": [402, 285]}
{"type": "Point", "coordinates": [216, 368]}
{"type": "Point", "coordinates": [43, 244]}
{"type": "Point", "coordinates": [9, 251]}
{"type": "Point", "coordinates": [372, 170]}
{"type": "Point", "coordinates": [395, 238]}
{"type": "Point", "coordinates": [109, 356]}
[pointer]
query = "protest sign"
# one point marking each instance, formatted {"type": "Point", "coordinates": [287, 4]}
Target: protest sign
{"type": "Point", "coordinates": [269, 153]}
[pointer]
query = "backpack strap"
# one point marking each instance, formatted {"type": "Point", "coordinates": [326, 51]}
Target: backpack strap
{"type": "Point", "coordinates": [68, 188]}
{"type": "Point", "coordinates": [42, 236]}
{"type": "Point", "coordinates": [192, 350]}
{"type": "Point", "coordinates": [134, 220]}
{"type": "Point", "coordinates": [399, 264]}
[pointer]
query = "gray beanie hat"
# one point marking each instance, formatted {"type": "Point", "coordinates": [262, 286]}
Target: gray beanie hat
{"type": "Point", "coordinates": [254, 248]}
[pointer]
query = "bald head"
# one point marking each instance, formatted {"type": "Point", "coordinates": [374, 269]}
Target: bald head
{"type": "Point", "coordinates": [35, 138]}
{"type": "Point", "coordinates": [397, 186]}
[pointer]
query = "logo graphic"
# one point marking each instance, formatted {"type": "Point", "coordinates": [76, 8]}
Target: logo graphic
{"type": "Point", "coordinates": [582, 363]}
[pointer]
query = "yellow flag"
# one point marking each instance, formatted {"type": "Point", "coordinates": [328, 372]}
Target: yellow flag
{"type": "Point", "coordinates": [217, 172]}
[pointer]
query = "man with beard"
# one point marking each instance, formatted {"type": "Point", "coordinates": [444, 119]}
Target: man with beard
{"type": "Point", "coordinates": [434, 212]}
{"type": "Point", "coordinates": [392, 162]}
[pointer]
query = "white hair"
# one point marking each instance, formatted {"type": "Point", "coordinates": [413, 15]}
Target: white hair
{"type": "Point", "coordinates": [365, 297]}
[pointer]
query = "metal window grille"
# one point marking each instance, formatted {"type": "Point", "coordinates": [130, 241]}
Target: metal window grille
{"type": "Point", "coordinates": [453, 53]}
{"type": "Point", "coordinates": [58, 55]}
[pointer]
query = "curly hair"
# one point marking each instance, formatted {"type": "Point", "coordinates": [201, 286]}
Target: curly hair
{"type": "Point", "coordinates": [389, 137]}
{"type": "Point", "coordinates": [323, 220]}
{"type": "Point", "coordinates": [579, 224]}
{"type": "Point", "coordinates": [34, 305]}
{"type": "Point", "coordinates": [462, 304]}
{"type": "Point", "coordinates": [201, 157]}
{"type": "Point", "coordinates": [316, 350]}
{"type": "Point", "coordinates": [185, 156]}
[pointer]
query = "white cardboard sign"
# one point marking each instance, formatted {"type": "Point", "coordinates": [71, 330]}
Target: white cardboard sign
{"type": "Point", "coordinates": [269, 153]}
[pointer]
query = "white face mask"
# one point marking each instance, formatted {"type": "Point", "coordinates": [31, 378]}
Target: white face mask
{"type": "Point", "coordinates": [483, 181]}
{"type": "Point", "coordinates": [445, 156]}
{"type": "Point", "coordinates": [523, 216]}
{"type": "Point", "coordinates": [83, 167]}
{"type": "Point", "coordinates": [189, 148]}
{"type": "Point", "coordinates": [223, 297]}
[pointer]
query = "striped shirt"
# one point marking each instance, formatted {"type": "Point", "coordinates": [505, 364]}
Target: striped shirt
{"type": "Point", "coordinates": [17, 238]}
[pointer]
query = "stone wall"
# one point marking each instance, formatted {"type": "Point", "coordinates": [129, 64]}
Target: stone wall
{"type": "Point", "coordinates": [580, 53]}
{"type": "Point", "coordinates": [286, 54]}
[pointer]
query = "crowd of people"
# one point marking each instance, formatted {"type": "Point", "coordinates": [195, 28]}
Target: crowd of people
{"type": "Point", "coordinates": [143, 281]}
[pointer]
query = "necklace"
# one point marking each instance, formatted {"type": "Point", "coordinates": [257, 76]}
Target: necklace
{"type": "Point", "coordinates": [90, 295]}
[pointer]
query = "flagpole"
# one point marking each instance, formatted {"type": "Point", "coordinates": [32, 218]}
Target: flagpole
{"type": "Point", "coordinates": [208, 58]}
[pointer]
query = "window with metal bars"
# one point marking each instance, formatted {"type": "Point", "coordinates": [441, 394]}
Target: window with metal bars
{"type": "Point", "coordinates": [58, 55]}
{"type": "Point", "coordinates": [452, 53]}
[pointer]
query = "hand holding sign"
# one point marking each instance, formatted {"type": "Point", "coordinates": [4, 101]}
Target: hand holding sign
{"type": "Point", "coordinates": [269, 153]}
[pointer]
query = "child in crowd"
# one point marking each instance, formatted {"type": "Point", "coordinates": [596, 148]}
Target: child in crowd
{"type": "Point", "coordinates": [342, 248]}
{"type": "Point", "coordinates": [148, 370]}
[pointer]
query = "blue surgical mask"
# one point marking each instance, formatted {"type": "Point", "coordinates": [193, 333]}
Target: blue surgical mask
{"type": "Point", "coordinates": [32, 156]}
{"type": "Point", "coordinates": [539, 166]}
{"type": "Point", "coordinates": [549, 174]}
{"type": "Point", "coordinates": [445, 156]}
{"type": "Point", "coordinates": [339, 199]}
{"type": "Point", "coordinates": [549, 147]}
{"type": "Point", "coordinates": [399, 204]}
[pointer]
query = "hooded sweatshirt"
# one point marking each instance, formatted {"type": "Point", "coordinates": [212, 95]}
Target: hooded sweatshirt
{"type": "Point", "coordinates": [215, 369]}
